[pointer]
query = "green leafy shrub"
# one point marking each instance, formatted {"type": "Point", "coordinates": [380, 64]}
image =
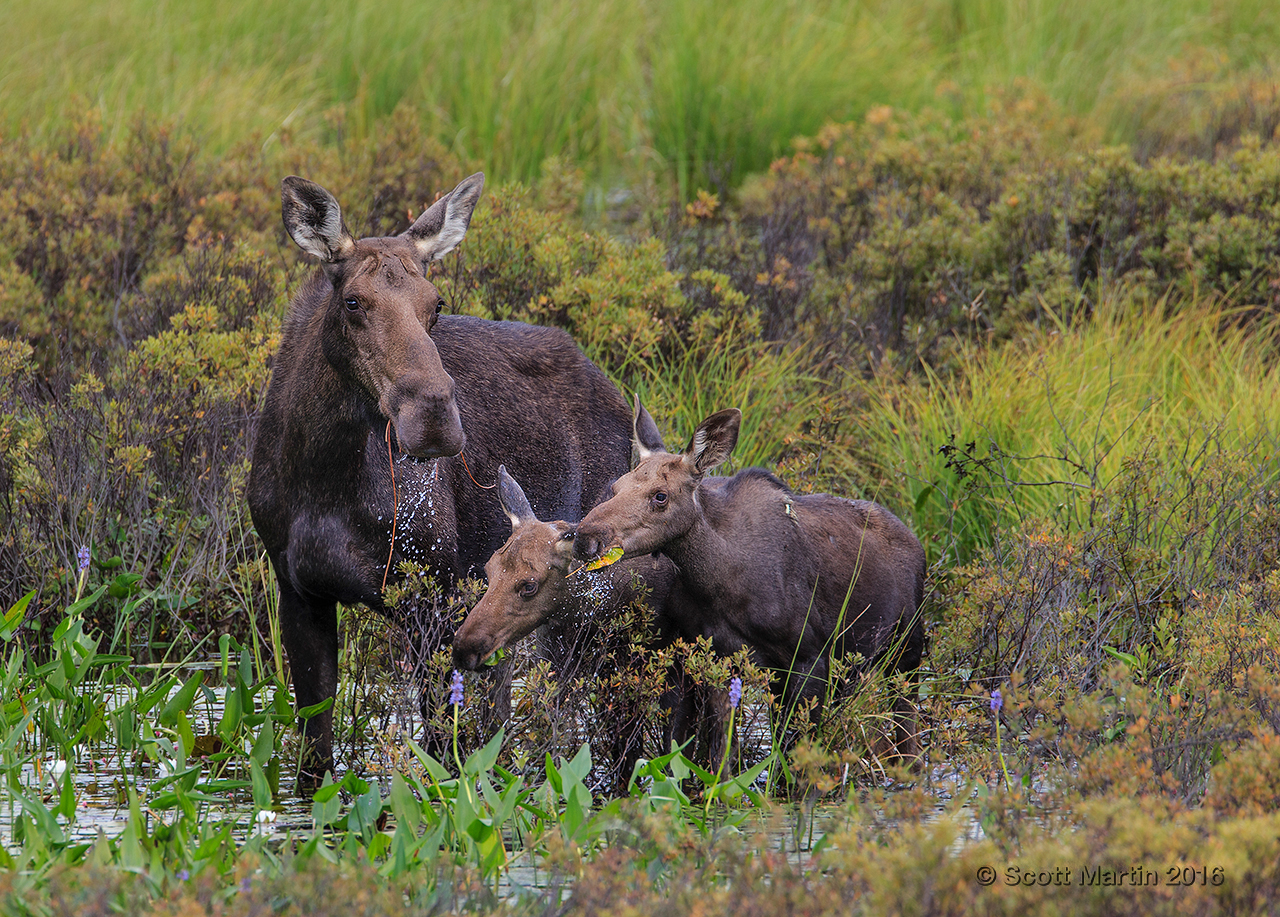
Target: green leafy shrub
{"type": "Point", "coordinates": [900, 235]}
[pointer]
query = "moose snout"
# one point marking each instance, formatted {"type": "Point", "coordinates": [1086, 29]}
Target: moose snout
{"type": "Point", "coordinates": [468, 654]}
{"type": "Point", "coordinates": [427, 423]}
{"type": "Point", "coordinates": [589, 542]}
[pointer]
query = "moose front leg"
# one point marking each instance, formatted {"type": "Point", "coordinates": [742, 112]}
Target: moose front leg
{"type": "Point", "coordinates": [310, 634]}
{"type": "Point", "coordinates": [907, 668]}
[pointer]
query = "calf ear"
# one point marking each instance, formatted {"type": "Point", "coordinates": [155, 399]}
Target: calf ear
{"type": "Point", "coordinates": [513, 499]}
{"type": "Point", "coordinates": [713, 441]}
{"type": "Point", "coordinates": [645, 438]}
{"type": "Point", "coordinates": [314, 220]}
{"type": "Point", "coordinates": [442, 225]}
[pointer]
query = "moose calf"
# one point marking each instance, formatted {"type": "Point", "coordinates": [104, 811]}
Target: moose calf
{"type": "Point", "coordinates": [530, 586]}
{"type": "Point", "coordinates": [796, 579]}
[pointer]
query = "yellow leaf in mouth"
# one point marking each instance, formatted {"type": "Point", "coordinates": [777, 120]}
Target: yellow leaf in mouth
{"type": "Point", "coordinates": [606, 559]}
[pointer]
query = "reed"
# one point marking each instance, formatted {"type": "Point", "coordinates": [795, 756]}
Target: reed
{"type": "Point", "coordinates": [1040, 427]}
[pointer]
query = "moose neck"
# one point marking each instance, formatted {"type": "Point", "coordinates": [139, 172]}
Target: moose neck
{"type": "Point", "coordinates": [702, 554]}
{"type": "Point", "coordinates": [331, 418]}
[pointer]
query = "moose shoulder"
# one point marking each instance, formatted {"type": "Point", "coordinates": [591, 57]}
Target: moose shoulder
{"type": "Point", "coordinates": [795, 579]}
{"type": "Point", "coordinates": [370, 374]}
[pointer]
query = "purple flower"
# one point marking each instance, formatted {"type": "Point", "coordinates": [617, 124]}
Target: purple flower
{"type": "Point", "coordinates": [735, 692]}
{"type": "Point", "coordinates": [244, 884]}
{"type": "Point", "coordinates": [455, 689]}
{"type": "Point", "coordinates": [82, 556]}
{"type": "Point", "coordinates": [184, 875]}
{"type": "Point", "coordinates": [997, 702]}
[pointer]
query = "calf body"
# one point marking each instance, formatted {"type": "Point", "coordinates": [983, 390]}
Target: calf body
{"type": "Point", "coordinates": [370, 375]}
{"type": "Point", "coordinates": [795, 579]}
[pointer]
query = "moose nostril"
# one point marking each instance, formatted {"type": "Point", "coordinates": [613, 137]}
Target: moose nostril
{"type": "Point", "coordinates": [465, 661]}
{"type": "Point", "coordinates": [586, 545]}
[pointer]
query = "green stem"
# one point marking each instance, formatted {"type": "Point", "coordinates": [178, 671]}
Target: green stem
{"type": "Point", "coordinates": [456, 757]}
{"type": "Point", "coordinates": [1000, 753]}
{"type": "Point", "coordinates": [724, 760]}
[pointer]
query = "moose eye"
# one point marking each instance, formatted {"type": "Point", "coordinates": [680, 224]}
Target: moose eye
{"type": "Point", "coordinates": [353, 305]}
{"type": "Point", "coordinates": [528, 589]}
{"type": "Point", "coordinates": [659, 500]}
{"type": "Point", "coordinates": [439, 307]}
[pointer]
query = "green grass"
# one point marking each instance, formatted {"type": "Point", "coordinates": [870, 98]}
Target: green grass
{"type": "Point", "coordinates": [194, 789]}
{"type": "Point", "coordinates": [696, 90]}
{"type": "Point", "coordinates": [1053, 421]}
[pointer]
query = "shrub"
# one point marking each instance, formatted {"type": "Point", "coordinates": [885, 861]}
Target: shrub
{"type": "Point", "coordinates": [897, 236]}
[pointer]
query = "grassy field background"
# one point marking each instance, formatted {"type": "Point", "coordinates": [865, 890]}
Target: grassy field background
{"type": "Point", "coordinates": [697, 91]}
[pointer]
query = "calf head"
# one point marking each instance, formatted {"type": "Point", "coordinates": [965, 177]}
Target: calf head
{"type": "Point", "coordinates": [527, 580]}
{"type": "Point", "coordinates": [655, 502]}
{"type": "Point", "coordinates": [381, 308]}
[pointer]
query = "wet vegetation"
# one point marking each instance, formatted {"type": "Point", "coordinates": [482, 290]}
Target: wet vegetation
{"type": "Point", "coordinates": [1054, 358]}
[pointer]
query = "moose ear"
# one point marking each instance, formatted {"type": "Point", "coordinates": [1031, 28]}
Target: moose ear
{"type": "Point", "coordinates": [314, 220]}
{"type": "Point", "coordinates": [713, 441]}
{"type": "Point", "coordinates": [645, 438]}
{"type": "Point", "coordinates": [513, 499]}
{"type": "Point", "coordinates": [442, 226]}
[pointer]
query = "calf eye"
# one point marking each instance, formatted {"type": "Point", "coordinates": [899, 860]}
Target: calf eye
{"type": "Point", "coordinates": [659, 500]}
{"type": "Point", "coordinates": [353, 305]}
{"type": "Point", "coordinates": [528, 589]}
{"type": "Point", "coordinates": [439, 307]}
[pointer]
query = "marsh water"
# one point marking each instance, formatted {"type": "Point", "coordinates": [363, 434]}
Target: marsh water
{"type": "Point", "coordinates": [102, 777]}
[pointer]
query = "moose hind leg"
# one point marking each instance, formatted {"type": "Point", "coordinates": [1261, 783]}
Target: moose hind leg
{"type": "Point", "coordinates": [906, 724]}
{"type": "Point", "coordinates": [803, 690]}
{"type": "Point", "coordinates": [680, 703]}
{"type": "Point", "coordinates": [713, 729]}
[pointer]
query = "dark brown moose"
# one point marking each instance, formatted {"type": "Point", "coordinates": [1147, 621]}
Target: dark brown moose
{"type": "Point", "coordinates": [368, 366]}
{"type": "Point", "coordinates": [530, 586]}
{"type": "Point", "coordinates": [796, 579]}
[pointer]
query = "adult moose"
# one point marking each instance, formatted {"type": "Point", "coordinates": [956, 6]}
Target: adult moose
{"type": "Point", "coordinates": [797, 579]}
{"type": "Point", "coordinates": [368, 366]}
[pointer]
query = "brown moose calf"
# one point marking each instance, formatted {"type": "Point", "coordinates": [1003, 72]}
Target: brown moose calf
{"type": "Point", "coordinates": [796, 579]}
{"type": "Point", "coordinates": [530, 587]}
